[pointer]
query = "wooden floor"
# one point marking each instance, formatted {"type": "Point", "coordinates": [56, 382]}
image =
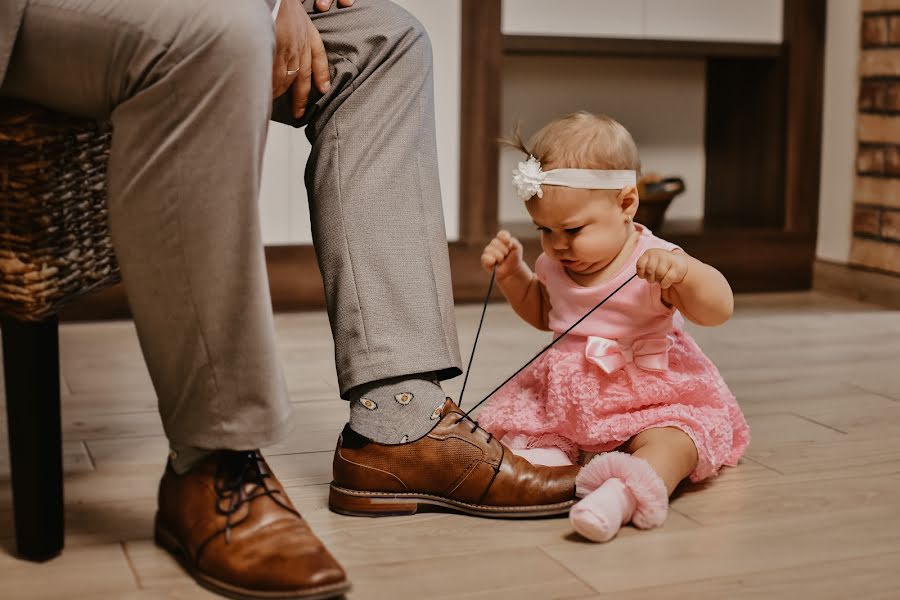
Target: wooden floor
{"type": "Point", "coordinates": [813, 511]}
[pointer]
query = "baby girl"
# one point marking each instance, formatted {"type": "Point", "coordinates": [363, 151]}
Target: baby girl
{"type": "Point", "coordinates": [627, 384]}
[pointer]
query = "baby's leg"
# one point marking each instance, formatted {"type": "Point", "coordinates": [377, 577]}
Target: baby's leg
{"type": "Point", "coordinates": [548, 457]}
{"type": "Point", "coordinates": [617, 487]}
{"type": "Point", "coordinates": [669, 450]}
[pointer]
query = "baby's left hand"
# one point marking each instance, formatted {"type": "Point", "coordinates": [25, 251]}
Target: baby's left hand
{"type": "Point", "coordinates": [663, 266]}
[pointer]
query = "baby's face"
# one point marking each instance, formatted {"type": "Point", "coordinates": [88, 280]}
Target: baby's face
{"type": "Point", "coordinates": [582, 229]}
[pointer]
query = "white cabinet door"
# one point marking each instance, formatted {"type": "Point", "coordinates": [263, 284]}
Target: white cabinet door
{"type": "Point", "coordinates": [283, 205]}
{"type": "Point", "coordinates": [443, 22]}
{"type": "Point", "coordinates": [590, 18]}
{"type": "Point", "coordinates": [274, 197]}
{"type": "Point", "coordinates": [729, 20]}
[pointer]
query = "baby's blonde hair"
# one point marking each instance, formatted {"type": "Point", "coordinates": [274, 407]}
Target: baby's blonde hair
{"type": "Point", "coordinates": [581, 140]}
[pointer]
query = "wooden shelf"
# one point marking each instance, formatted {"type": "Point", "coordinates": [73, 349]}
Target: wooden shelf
{"type": "Point", "coordinates": [754, 259]}
{"type": "Point", "coordinates": [546, 45]}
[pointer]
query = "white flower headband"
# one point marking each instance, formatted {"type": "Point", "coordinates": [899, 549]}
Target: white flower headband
{"type": "Point", "coordinates": [528, 178]}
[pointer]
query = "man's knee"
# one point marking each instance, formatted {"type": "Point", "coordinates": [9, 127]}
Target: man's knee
{"type": "Point", "coordinates": [415, 38]}
{"type": "Point", "coordinates": [231, 37]}
{"type": "Point", "coordinates": [402, 32]}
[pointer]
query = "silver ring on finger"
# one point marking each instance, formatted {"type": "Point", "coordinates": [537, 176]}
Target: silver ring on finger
{"type": "Point", "coordinates": [292, 72]}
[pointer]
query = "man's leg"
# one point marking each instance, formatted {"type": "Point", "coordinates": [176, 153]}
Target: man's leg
{"type": "Point", "coordinates": [377, 219]}
{"type": "Point", "coordinates": [187, 86]}
{"type": "Point", "coordinates": [379, 233]}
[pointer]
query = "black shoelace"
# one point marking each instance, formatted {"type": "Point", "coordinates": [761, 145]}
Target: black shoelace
{"type": "Point", "coordinates": [487, 296]}
{"type": "Point", "coordinates": [241, 476]}
{"type": "Point", "coordinates": [475, 425]}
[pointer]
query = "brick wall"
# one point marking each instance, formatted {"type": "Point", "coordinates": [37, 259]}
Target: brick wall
{"type": "Point", "coordinates": [876, 212]}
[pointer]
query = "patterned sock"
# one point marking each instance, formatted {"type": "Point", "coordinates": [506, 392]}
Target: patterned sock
{"type": "Point", "coordinates": [396, 410]}
{"type": "Point", "coordinates": [183, 458]}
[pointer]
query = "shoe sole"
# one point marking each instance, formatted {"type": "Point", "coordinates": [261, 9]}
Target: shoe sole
{"type": "Point", "coordinates": [170, 544]}
{"type": "Point", "coordinates": [383, 504]}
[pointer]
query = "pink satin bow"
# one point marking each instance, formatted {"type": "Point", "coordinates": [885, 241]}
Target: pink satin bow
{"type": "Point", "coordinates": [650, 354]}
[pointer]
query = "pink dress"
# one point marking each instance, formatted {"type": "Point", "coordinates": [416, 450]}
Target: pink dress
{"type": "Point", "coordinates": [626, 368]}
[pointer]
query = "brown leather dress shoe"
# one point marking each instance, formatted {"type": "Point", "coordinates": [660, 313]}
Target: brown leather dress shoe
{"type": "Point", "coordinates": [457, 465]}
{"type": "Point", "coordinates": [232, 526]}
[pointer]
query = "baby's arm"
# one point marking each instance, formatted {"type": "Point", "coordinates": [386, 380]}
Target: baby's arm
{"type": "Point", "coordinates": [699, 291]}
{"type": "Point", "coordinates": [518, 283]}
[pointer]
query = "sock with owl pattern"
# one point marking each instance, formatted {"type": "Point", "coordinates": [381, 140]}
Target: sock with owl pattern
{"type": "Point", "coordinates": [396, 410]}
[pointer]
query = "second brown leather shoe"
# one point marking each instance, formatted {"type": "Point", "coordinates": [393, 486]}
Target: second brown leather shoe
{"type": "Point", "coordinates": [457, 465]}
{"type": "Point", "coordinates": [233, 528]}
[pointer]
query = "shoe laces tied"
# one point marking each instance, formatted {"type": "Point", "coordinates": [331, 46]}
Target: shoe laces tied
{"type": "Point", "coordinates": [475, 425]}
{"type": "Point", "coordinates": [241, 476]}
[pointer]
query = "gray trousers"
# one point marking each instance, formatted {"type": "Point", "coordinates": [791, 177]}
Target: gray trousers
{"type": "Point", "coordinates": [187, 85]}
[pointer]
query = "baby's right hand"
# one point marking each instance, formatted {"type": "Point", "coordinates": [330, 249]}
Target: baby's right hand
{"type": "Point", "coordinates": [504, 252]}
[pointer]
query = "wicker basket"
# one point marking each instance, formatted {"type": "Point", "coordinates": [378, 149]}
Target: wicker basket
{"type": "Point", "coordinates": [656, 194]}
{"type": "Point", "coordinates": [54, 237]}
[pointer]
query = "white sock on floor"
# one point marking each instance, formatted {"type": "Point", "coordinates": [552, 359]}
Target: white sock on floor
{"type": "Point", "coordinates": [601, 514]}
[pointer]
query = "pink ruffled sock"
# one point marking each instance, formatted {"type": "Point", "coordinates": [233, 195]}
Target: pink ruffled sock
{"type": "Point", "coordinates": [601, 514]}
{"type": "Point", "coordinates": [617, 488]}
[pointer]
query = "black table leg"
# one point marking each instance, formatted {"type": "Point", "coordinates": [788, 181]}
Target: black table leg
{"type": "Point", "coordinates": [31, 367]}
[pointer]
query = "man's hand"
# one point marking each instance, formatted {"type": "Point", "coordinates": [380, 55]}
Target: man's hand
{"type": "Point", "coordinates": [325, 5]}
{"type": "Point", "coordinates": [300, 57]}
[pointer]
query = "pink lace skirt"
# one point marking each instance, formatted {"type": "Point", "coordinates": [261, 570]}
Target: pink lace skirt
{"type": "Point", "coordinates": [564, 400]}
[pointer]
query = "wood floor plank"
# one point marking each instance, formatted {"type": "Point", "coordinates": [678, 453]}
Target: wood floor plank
{"type": "Point", "coordinates": [778, 303]}
{"type": "Point", "coordinates": [800, 395]}
{"type": "Point", "coordinates": [529, 574]}
{"type": "Point", "coordinates": [760, 501]}
{"type": "Point", "coordinates": [855, 413]}
{"type": "Point", "coordinates": [868, 456]}
{"type": "Point", "coordinates": [777, 429]}
{"type": "Point", "coordinates": [315, 425]}
{"type": "Point", "coordinates": [158, 571]}
{"type": "Point", "coordinates": [869, 577]}
{"type": "Point", "coordinates": [109, 373]}
{"type": "Point", "coordinates": [137, 400]}
{"type": "Point", "coordinates": [836, 372]}
{"type": "Point", "coordinates": [736, 549]}
{"type": "Point", "coordinates": [75, 457]}
{"type": "Point", "coordinates": [100, 486]}
{"type": "Point", "coordinates": [878, 378]}
{"type": "Point", "coordinates": [452, 535]}
{"type": "Point", "coordinates": [81, 425]}
{"type": "Point", "coordinates": [131, 595]}
{"type": "Point", "coordinates": [78, 571]}
{"type": "Point", "coordinates": [100, 522]}
{"type": "Point", "coordinates": [747, 471]}
{"type": "Point", "coordinates": [145, 458]}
